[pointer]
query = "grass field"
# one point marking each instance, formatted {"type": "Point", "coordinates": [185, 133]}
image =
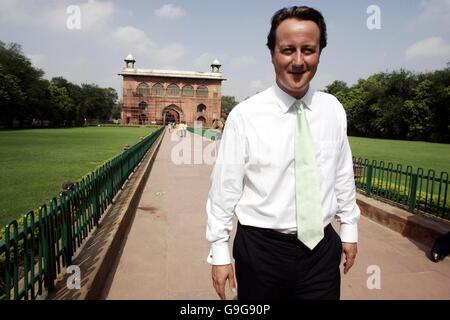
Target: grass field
{"type": "Point", "coordinates": [34, 163]}
{"type": "Point", "coordinates": [426, 155]}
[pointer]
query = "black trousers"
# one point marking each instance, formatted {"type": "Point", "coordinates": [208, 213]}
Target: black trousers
{"type": "Point", "coordinates": [273, 265]}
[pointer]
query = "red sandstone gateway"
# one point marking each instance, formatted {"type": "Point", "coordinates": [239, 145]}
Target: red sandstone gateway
{"type": "Point", "coordinates": [164, 96]}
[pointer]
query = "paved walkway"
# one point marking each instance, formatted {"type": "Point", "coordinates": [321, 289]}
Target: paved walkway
{"type": "Point", "coordinates": [164, 255]}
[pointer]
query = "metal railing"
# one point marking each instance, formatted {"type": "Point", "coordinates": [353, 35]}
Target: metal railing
{"type": "Point", "coordinates": [413, 189]}
{"type": "Point", "coordinates": [207, 133]}
{"type": "Point", "coordinates": [32, 255]}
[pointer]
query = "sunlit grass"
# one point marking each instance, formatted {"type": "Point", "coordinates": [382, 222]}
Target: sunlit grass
{"type": "Point", "coordinates": [34, 163]}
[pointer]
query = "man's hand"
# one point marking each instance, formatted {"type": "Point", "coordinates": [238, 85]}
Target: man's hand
{"type": "Point", "coordinates": [220, 274]}
{"type": "Point", "coordinates": [349, 250]}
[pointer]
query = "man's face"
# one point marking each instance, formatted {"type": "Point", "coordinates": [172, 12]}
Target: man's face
{"type": "Point", "coordinates": [296, 55]}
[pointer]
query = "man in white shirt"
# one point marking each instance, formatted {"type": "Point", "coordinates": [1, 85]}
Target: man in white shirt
{"type": "Point", "coordinates": [254, 177]}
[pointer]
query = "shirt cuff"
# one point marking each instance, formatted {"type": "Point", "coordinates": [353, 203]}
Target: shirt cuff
{"type": "Point", "coordinates": [219, 255]}
{"type": "Point", "coordinates": [349, 233]}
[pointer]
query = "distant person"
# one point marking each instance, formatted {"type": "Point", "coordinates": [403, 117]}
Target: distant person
{"type": "Point", "coordinates": [218, 125]}
{"type": "Point", "coordinates": [284, 167]}
{"type": "Point", "coordinates": [224, 117]}
{"type": "Point", "coordinates": [66, 187]}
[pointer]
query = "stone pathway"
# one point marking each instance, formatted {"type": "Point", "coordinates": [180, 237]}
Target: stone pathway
{"type": "Point", "coordinates": [164, 256]}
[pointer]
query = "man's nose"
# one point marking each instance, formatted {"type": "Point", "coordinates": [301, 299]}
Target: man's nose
{"type": "Point", "coordinates": [298, 60]}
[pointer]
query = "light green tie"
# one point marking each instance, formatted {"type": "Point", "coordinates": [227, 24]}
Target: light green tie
{"type": "Point", "coordinates": [307, 185]}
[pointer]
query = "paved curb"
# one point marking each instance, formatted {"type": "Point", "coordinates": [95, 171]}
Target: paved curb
{"type": "Point", "coordinates": [98, 255]}
{"type": "Point", "coordinates": [423, 229]}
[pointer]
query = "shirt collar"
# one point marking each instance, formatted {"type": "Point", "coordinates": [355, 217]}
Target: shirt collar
{"type": "Point", "coordinates": [285, 101]}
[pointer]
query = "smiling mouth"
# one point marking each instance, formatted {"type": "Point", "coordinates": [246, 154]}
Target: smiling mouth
{"type": "Point", "coordinates": [297, 73]}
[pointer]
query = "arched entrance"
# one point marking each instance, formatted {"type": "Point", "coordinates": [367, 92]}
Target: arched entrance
{"type": "Point", "coordinates": [172, 113]}
{"type": "Point", "coordinates": [201, 108]}
{"type": "Point", "coordinates": [202, 120]}
{"type": "Point", "coordinates": [171, 116]}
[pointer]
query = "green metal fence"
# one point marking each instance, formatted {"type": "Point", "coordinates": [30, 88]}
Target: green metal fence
{"type": "Point", "coordinates": [32, 256]}
{"type": "Point", "coordinates": [414, 189]}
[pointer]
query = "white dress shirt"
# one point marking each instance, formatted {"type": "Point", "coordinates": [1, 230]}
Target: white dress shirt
{"type": "Point", "coordinates": [254, 173]}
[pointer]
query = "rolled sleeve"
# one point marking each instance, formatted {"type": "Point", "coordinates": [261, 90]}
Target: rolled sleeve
{"type": "Point", "coordinates": [225, 192]}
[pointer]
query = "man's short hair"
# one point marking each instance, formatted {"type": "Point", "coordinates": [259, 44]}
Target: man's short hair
{"type": "Point", "coordinates": [300, 13]}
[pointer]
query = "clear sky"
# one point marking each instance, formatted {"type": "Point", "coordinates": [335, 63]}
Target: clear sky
{"type": "Point", "coordinates": [188, 35]}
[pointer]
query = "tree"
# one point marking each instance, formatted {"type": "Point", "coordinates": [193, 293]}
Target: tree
{"type": "Point", "coordinates": [11, 97]}
{"type": "Point", "coordinates": [96, 102]}
{"type": "Point", "coordinates": [439, 105]}
{"type": "Point", "coordinates": [228, 103]}
{"type": "Point", "coordinates": [397, 105]}
{"type": "Point", "coordinates": [18, 75]}
{"type": "Point", "coordinates": [362, 105]}
{"type": "Point", "coordinates": [38, 97]}
{"type": "Point", "coordinates": [337, 87]}
{"type": "Point", "coordinates": [110, 101]}
{"type": "Point", "coordinates": [417, 111]}
{"type": "Point", "coordinates": [117, 110]}
{"type": "Point", "coordinates": [25, 96]}
{"type": "Point", "coordinates": [61, 104]}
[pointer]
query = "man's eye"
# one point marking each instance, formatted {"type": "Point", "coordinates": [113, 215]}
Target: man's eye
{"type": "Point", "coordinates": [287, 51]}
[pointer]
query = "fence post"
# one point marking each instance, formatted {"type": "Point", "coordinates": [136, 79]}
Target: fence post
{"type": "Point", "coordinates": [66, 238]}
{"type": "Point", "coordinates": [369, 180]}
{"type": "Point", "coordinates": [96, 201]}
{"type": "Point", "coordinates": [45, 243]}
{"type": "Point", "coordinates": [412, 193]}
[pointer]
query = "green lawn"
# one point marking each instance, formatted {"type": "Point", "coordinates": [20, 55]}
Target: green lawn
{"type": "Point", "coordinates": [415, 153]}
{"type": "Point", "coordinates": [34, 163]}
